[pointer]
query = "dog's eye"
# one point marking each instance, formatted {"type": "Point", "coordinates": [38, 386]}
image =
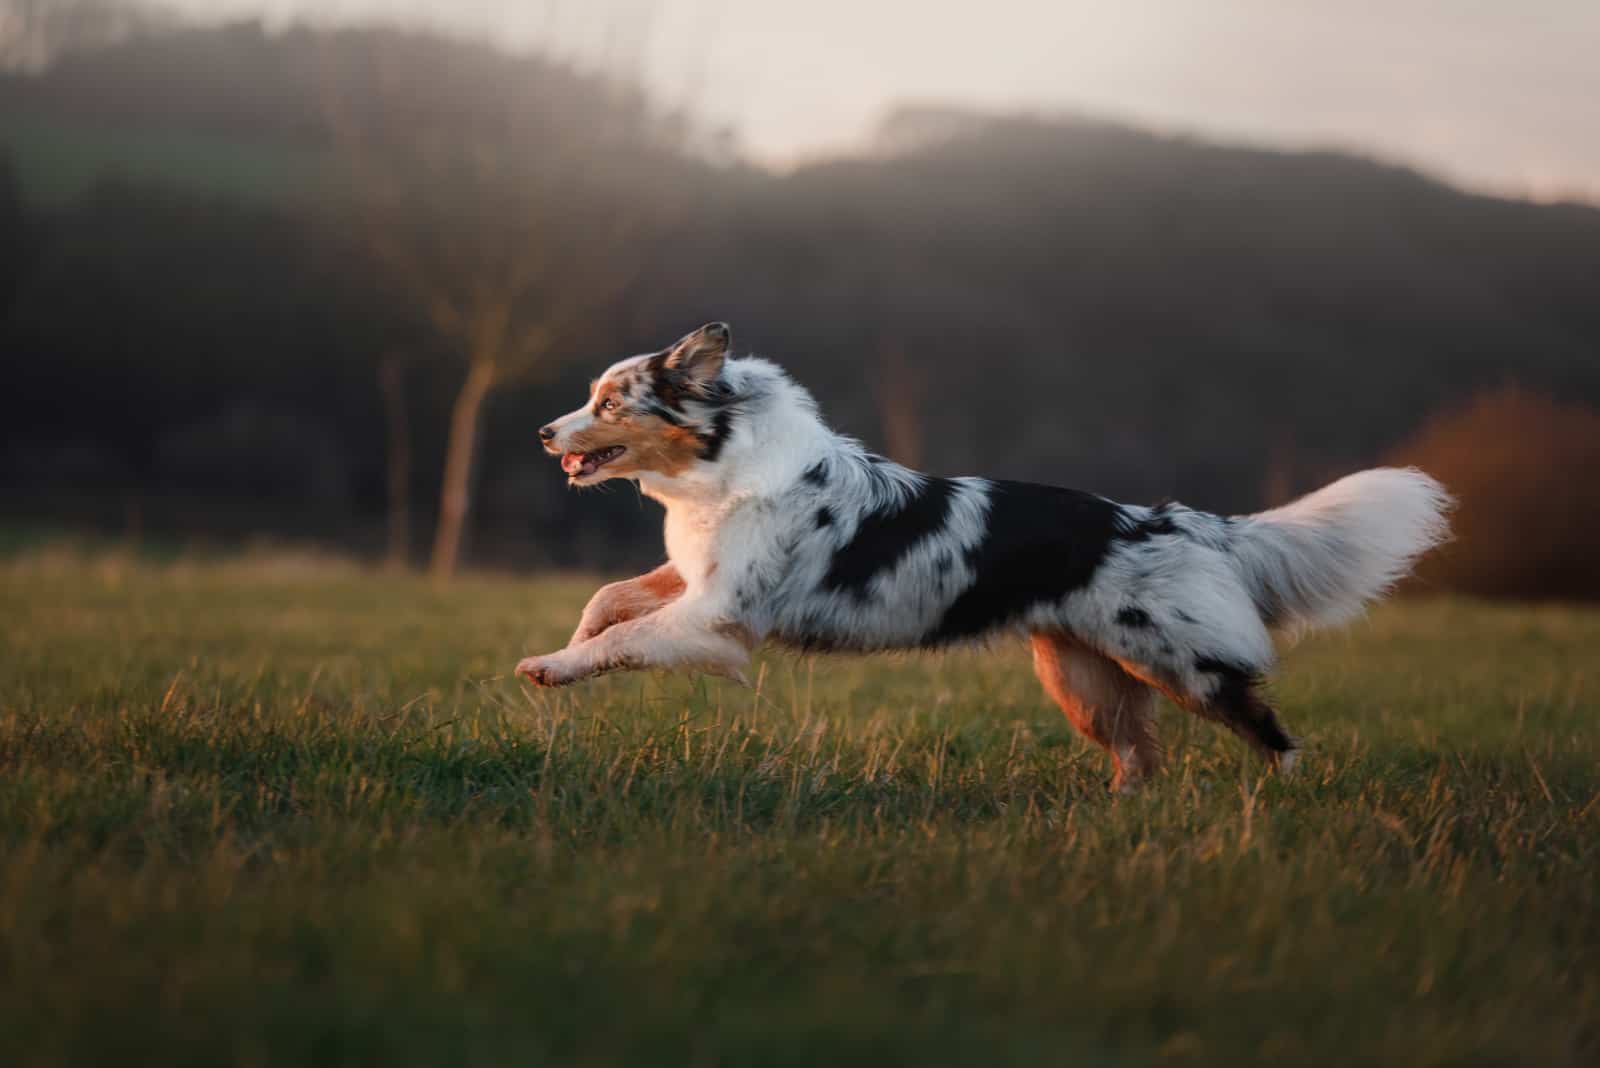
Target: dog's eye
{"type": "Point", "coordinates": [609, 404]}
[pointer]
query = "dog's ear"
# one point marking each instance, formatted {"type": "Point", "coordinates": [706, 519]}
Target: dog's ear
{"type": "Point", "coordinates": [699, 355]}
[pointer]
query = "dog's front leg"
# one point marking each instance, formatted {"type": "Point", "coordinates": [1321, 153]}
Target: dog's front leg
{"type": "Point", "coordinates": [618, 602]}
{"type": "Point", "coordinates": [677, 636]}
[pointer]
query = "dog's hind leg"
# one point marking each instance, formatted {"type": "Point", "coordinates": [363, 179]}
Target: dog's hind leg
{"type": "Point", "coordinates": [1237, 704]}
{"type": "Point", "coordinates": [1110, 707]}
{"type": "Point", "coordinates": [1230, 695]}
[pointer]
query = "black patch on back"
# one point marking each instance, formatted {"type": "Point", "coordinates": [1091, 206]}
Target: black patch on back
{"type": "Point", "coordinates": [824, 517]}
{"type": "Point", "coordinates": [884, 537]}
{"type": "Point", "coordinates": [1041, 543]}
{"type": "Point", "coordinates": [1134, 616]}
{"type": "Point", "coordinates": [712, 441]}
{"type": "Point", "coordinates": [816, 474]}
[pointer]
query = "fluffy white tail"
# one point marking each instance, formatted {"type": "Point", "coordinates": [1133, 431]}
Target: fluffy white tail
{"type": "Point", "coordinates": [1318, 561]}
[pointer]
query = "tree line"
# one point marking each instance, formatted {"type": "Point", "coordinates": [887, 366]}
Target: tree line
{"type": "Point", "coordinates": [354, 341]}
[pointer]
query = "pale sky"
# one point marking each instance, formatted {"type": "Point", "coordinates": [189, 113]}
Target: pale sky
{"type": "Point", "coordinates": [1502, 95]}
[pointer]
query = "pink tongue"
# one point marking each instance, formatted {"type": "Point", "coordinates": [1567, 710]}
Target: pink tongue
{"type": "Point", "coordinates": [572, 462]}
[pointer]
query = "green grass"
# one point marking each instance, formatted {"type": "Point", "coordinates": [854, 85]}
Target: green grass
{"type": "Point", "coordinates": [298, 814]}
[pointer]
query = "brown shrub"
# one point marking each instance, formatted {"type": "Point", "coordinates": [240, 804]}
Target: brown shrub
{"type": "Point", "coordinates": [1526, 471]}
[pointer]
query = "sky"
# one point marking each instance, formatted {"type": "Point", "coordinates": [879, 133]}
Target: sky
{"type": "Point", "coordinates": [1499, 95]}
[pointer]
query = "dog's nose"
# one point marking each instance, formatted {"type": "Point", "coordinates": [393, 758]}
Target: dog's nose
{"type": "Point", "coordinates": [546, 433]}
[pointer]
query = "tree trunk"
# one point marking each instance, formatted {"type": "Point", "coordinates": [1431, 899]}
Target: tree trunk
{"type": "Point", "coordinates": [900, 390]}
{"type": "Point", "coordinates": [392, 384]}
{"type": "Point", "coordinates": [459, 447]}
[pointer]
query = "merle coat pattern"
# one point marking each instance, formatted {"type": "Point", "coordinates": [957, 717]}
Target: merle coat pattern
{"type": "Point", "coordinates": [779, 529]}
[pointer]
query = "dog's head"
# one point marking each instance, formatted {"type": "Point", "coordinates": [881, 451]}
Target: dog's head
{"type": "Point", "coordinates": [661, 413]}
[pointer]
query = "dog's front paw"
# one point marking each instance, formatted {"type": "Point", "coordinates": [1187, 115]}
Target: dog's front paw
{"type": "Point", "coordinates": [546, 671]}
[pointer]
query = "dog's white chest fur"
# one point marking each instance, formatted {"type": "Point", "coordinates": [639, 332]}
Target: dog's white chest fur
{"type": "Point", "coordinates": [691, 539]}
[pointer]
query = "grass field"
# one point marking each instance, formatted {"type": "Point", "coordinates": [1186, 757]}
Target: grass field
{"type": "Point", "coordinates": [298, 814]}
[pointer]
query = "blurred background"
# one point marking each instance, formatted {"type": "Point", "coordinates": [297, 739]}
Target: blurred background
{"type": "Point", "coordinates": [313, 273]}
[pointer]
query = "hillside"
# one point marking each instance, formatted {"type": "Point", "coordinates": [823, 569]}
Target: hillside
{"type": "Point", "coordinates": [1183, 304]}
{"type": "Point", "coordinates": [1061, 299]}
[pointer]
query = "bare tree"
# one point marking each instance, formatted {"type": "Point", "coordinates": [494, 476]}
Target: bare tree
{"type": "Point", "coordinates": [506, 232]}
{"type": "Point", "coordinates": [900, 391]}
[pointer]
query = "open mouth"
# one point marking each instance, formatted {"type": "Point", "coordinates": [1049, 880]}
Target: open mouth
{"type": "Point", "coordinates": [582, 464]}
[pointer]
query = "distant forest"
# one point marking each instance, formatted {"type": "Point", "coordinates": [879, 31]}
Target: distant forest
{"type": "Point", "coordinates": [294, 283]}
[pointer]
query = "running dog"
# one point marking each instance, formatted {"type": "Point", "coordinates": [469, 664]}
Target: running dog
{"type": "Point", "coordinates": [779, 529]}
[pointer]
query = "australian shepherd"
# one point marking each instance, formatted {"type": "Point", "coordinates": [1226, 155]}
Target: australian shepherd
{"type": "Point", "coordinates": [779, 529]}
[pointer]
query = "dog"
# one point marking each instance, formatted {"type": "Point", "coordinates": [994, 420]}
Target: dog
{"type": "Point", "coordinates": [779, 529]}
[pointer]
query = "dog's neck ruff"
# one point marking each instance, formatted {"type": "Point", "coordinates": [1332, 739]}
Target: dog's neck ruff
{"type": "Point", "coordinates": [774, 433]}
